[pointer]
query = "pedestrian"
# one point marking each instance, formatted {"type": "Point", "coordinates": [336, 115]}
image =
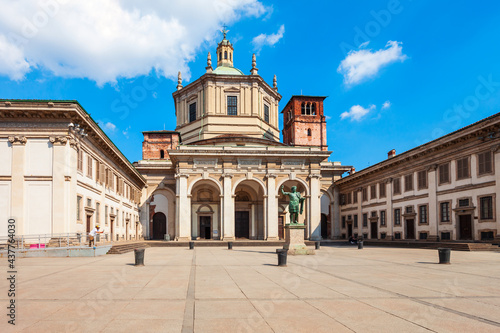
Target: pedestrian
{"type": "Point", "coordinates": [93, 233]}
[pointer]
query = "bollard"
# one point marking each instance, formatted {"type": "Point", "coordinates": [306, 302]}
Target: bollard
{"type": "Point", "coordinates": [191, 245]}
{"type": "Point", "coordinates": [139, 257]}
{"type": "Point", "coordinates": [317, 245]}
{"type": "Point", "coordinates": [444, 255]}
{"type": "Point", "coordinates": [360, 245]}
{"type": "Point", "coordinates": [282, 254]}
{"type": "Point", "coordinates": [229, 245]}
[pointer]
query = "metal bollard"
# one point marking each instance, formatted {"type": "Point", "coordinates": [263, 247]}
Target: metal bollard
{"type": "Point", "coordinates": [317, 245]}
{"type": "Point", "coordinates": [229, 245]}
{"type": "Point", "coordinates": [282, 254]}
{"type": "Point", "coordinates": [360, 245]}
{"type": "Point", "coordinates": [444, 255]}
{"type": "Point", "coordinates": [139, 257]}
{"type": "Point", "coordinates": [191, 245]}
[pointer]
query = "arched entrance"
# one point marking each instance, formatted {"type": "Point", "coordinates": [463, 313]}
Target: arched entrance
{"type": "Point", "coordinates": [326, 225]}
{"type": "Point", "coordinates": [159, 226]}
{"type": "Point", "coordinates": [205, 210]}
{"type": "Point", "coordinates": [249, 210]}
{"type": "Point", "coordinates": [283, 201]}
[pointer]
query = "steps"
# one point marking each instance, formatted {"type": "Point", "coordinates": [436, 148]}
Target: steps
{"type": "Point", "coordinates": [127, 247]}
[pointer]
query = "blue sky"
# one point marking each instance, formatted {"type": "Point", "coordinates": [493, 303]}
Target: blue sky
{"type": "Point", "coordinates": [397, 73]}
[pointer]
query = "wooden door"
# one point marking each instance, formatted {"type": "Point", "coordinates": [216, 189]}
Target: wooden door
{"type": "Point", "coordinates": [241, 227]}
{"type": "Point", "coordinates": [465, 225]}
{"type": "Point", "coordinates": [159, 226]}
{"type": "Point", "coordinates": [89, 220]}
{"type": "Point", "coordinates": [410, 229]}
{"type": "Point", "coordinates": [374, 230]}
{"type": "Point", "coordinates": [349, 230]}
{"type": "Point", "coordinates": [205, 227]}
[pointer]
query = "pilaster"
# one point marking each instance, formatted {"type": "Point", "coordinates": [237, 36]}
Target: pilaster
{"type": "Point", "coordinates": [17, 185]}
{"type": "Point", "coordinates": [228, 207]}
{"type": "Point", "coordinates": [315, 207]}
{"type": "Point", "coordinates": [272, 208]}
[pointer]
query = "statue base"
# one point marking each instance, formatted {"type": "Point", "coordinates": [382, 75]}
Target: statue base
{"type": "Point", "coordinates": [294, 240]}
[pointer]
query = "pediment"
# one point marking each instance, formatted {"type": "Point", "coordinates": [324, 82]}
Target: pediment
{"type": "Point", "coordinates": [232, 90]}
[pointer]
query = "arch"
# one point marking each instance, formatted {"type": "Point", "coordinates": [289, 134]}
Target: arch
{"type": "Point", "coordinates": [250, 179]}
{"type": "Point", "coordinates": [159, 226]}
{"type": "Point", "coordinates": [328, 194]}
{"type": "Point", "coordinates": [162, 154]}
{"type": "Point", "coordinates": [303, 182]}
{"type": "Point", "coordinates": [205, 209]}
{"type": "Point", "coordinates": [213, 180]}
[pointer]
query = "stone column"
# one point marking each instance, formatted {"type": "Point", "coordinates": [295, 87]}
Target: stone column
{"type": "Point", "coordinates": [332, 214]}
{"type": "Point", "coordinates": [252, 222]}
{"type": "Point", "coordinates": [272, 208]}
{"type": "Point", "coordinates": [336, 213]}
{"type": "Point", "coordinates": [228, 208]}
{"type": "Point", "coordinates": [433, 213]}
{"type": "Point", "coordinates": [17, 183]}
{"type": "Point", "coordinates": [315, 207]}
{"type": "Point", "coordinates": [265, 218]}
{"type": "Point", "coordinates": [60, 222]}
{"type": "Point", "coordinates": [183, 209]}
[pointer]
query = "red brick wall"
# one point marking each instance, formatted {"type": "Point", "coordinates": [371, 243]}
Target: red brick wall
{"type": "Point", "coordinates": [295, 131]}
{"type": "Point", "coordinates": [154, 143]}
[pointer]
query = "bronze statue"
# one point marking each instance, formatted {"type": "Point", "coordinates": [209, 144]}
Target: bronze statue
{"type": "Point", "coordinates": [293, 206]}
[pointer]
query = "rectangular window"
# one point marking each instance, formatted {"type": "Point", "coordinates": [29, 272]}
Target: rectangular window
{"type": "Point", "coordinates": [365, 220]}
{"type": "Point", "coordinates": [444, 213]}
{"type": "Point", "coordinates": [463, 168]}
{"type": "Point", "coordinates": [374, 214]}
{"type": "Point", "coordinates": [396, 183]}
{"type": "Point", "coordinates": [397, 235]}
{"type": "Point", "coordinates": [80, 160]}
{"type": "Point", "coordinates": [486, 207]}
{"type": "Point", "coordinates": [422, 214]}
{"type": "Point", "coordinates": [232, 105]}
{"type": "Point", "coordinates": [409, 182]}
{"type": "Point", "coordinates": [463, 202]}
{"type": "Point", "coordinates": [266, 113]}
{"type": "Point", "coordinates": [444, 173]}
{"type": "Point", "coordinates": [445, 236]}
{"type": "Point", "coordinates": [355, 197]}
{"type": "Point", "coordinates": [355, 221]}
{"type": "Point", "coordinates": [381, 190]}
{"type": "Point", "coordinates": [192, 112]}
{"type": "Point", "coordinates": [78, 208]}
{"type": "Point", "coordinates": [422, 179]}
{"type": "Point", "coordinates": [382, 217]}
{"type": "Point", "coordinates": [97, 213]}
{"type": "Point", "coordinates": [423, 235]}
{"type": "Point", "coordinates": [89, 202]}
{"type": "Point", "coordinates": [397, 216]}
{"type": "Point", "coordinates": [365, 193]}
{"type": "Point", "coordinates": [409, 209]}
{"type": "Point", "coordinates": [97, 172]}
{"type": "Point", "coordinates": [349, 198]}
{"type": "Point", "coordinates": [343, 222]}
{"type": "Point", "coordinates": [90, 163]}
{"type": "Point", "coordinates": [373, 192]}
{"type": "Point", "coordinates": [485, 163]}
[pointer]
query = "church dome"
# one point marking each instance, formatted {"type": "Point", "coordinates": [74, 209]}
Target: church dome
{"type": "Point", "coordinates": [226, 70]}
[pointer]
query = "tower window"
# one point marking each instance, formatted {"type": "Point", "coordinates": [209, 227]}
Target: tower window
{"type": "Point", "coordinates": [232, 105]}
{"type": "Point", "coordinates": [162, 153]}
{"type": "Point", "coordinates": [308, 109]}
{"type": "Point", "coordinates": [303, 108]}
{"type": "Point", "coordinates": [308, 132]}
{"type": "Point", "coordinates": [220, 56]}
{"type": "Point", "coordinates": [313, 109]}
{"type": "Point", "coordinates": [192, 112]}
{"type": "Point", "coordinates": [231, 56]}
{"type": "Point", "coordinates": [266, 113]}
{"type": "Point", "coordinates": [225, 55]}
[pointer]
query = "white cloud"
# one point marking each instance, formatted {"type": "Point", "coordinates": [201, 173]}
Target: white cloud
{"type": "Point", "coordinates": [270, 40]}
{"type": "Point", "coordinates": [107, 126]}
{"type": "Point", "coordinates": [363, 64]}
{"type": "Point", "coordinates": [357, 112]}
{"type": "Point", "coordinates": [104, 40]}
{"type": "Point", "coordinates": [386, 105]}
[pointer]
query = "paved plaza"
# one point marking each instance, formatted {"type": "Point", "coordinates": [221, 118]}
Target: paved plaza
{"type": "Point", "coordinates": [212, 289]}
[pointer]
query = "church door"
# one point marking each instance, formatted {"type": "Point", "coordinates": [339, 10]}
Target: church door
{"type": "Point", "coordinates": [465, 226]}
{"type": "Point", "coordinates": [159, 226]}
{"type": "Point", "coordinates": [241, 221]}
{"type": "Point", "coordinates": [205, 227]}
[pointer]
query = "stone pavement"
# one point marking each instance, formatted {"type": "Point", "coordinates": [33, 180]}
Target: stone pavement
{"type": "Point", "coordinates": [340, 289]}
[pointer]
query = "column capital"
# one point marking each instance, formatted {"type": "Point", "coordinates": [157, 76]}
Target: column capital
{"type": "Point", "coordinates": [179, 175]}
{"type": "Point", "coordinates": [314, 175]}
{"type": "Point", "coordinates": [271, 175]}
{"type": "Point", "coordinates": [495, 148]}
{"type": "Point", "coordinates": [227, 175]}
{"type": "Point", "coordinates": [432, 167]}
{"type": "Point", "coordinates": [58, 140]}
{"type": "Point", "coordinates": [18, 140]}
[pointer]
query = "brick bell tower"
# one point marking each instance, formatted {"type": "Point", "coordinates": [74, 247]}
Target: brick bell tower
{"type": "Point", "coordinates": [304, 123]}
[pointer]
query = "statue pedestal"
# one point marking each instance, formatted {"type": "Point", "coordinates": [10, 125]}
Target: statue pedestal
{"type": "Point", "coordinates": [294, 240]}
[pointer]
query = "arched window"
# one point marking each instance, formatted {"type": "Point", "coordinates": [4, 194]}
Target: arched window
{"type": "Point", "coordinates": [225, 55]}
{"type": "Point", "coordinates": [162, 153]}
{"type": "Point", "coordinates": [308, 132]}
{"type": "Point", "coordinates": [220, 56]}
{"type": "Point", "coordinates": [308, 109]}
{"type": "Point", "coordinates": [303, 111]}
{"type": "Point", "coordinates": [314, 109]}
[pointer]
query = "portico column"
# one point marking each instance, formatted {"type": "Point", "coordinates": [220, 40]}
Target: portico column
{"type": "Point", "coordinates": [315, 207]}
{"type": "Point", "coordinates": [433, 217]}
{"type": "Point", "coordinates": [336, 213]}
{"type": "Point", "coordinates": [60, 222]}
{"type": "Point", "coordinates": [252, 223]}
{"type": "Point", "coordinates": [272, 208]}
{"type": "Point", "coordinates": [183, 209]}
{"type": "Point", "coordinates": [228, 208]}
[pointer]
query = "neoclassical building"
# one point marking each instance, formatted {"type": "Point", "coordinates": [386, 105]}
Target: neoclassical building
{"type": "Point", "coordinates": [219, 174]}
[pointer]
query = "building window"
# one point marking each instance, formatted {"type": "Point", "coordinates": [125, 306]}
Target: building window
{"type": "Point", "coordinates": [422, 214]}
{"type": "Point", "coordinates": [343, 222]}
{"type": "Point", "coordinates": [349, 198]}
{"type": "Point", "coordinates": [90, 163]}
{"type": "Point", "coordinates": [373, 192]}
{"type": "Point", "coordinates": [355, 221]}
{"type": "Point", "coordinates": [397, 235]}
{"type": "Point", "coordinates": [80, 160]}
{"type": "Point", "coordinates": [162, 153]}
{"type": "Point", "coordinates": [303, 108]}
{"type": "Point", "coordinates": [444, 211]}
{"type": "Point", "coordinates": [97, 213]}
{"type": "Point", "coordinates": [464, 202]}
{"type": "Point", "coordinates": [396, 183]}
{"type": "Point", "coordinates": [423, 235]}
{"type": "Point", "coordinates": [487, 235]}
{"type": "Point", "coordinates": [409, 182]}
{"type": "Point", "coordinates": [290, 115]}
{"type": "Point", "coordinates": [355, 197]}
{"type": "Point", "coordinates": [308, 132]}
{"type": "Point", "coordinates": [374, 214]}
{"type": "Point", "coordinates": [89, 202]}
{"type": "Point", "coordinates": [445, 236]}
{"type": "Point", "coordinates": [220, 55]}
{"type": "Point", "coordinates": [382, 217]}
{"type": "Point", "coordinates": [463, 168]}
{"type": "Point", "coordinates": [381, 190]}
{"type": "Point", "coordinates": [486, 208]}
{"type": "Point", "coordinates": [225, 55]}
{"type": "Point", "coordinates": [365, 220]}
{"type": "Point", "coordinates": [266, 113]}
{"type": "Point", "coordinates": [192, 112]}
{"type": "Point", "coordinates": [397, 216]}
{"type": "Point", "coordinates": [422, 179]}
{"type": "Point", "coordinates": [232, 105]}
{"type": "Point", "coordinates": [409, 209]}
{"type": "Point", "coordinates": [78, 208]}
{"type": "Point", "coordinates": [485, 163]}
{"type": "Point", "coordinates": [313, 109]}
{"type": "Point", "coordinates": [444, 173]}
{"type": "Point", "coordinates": [365, 194]}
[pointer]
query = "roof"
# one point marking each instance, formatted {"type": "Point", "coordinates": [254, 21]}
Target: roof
{"type": "Point", "coordinates": [225, 70]}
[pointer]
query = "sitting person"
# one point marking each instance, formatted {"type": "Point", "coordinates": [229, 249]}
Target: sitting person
{"type": "Point", "coordinates": [353, 240]}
